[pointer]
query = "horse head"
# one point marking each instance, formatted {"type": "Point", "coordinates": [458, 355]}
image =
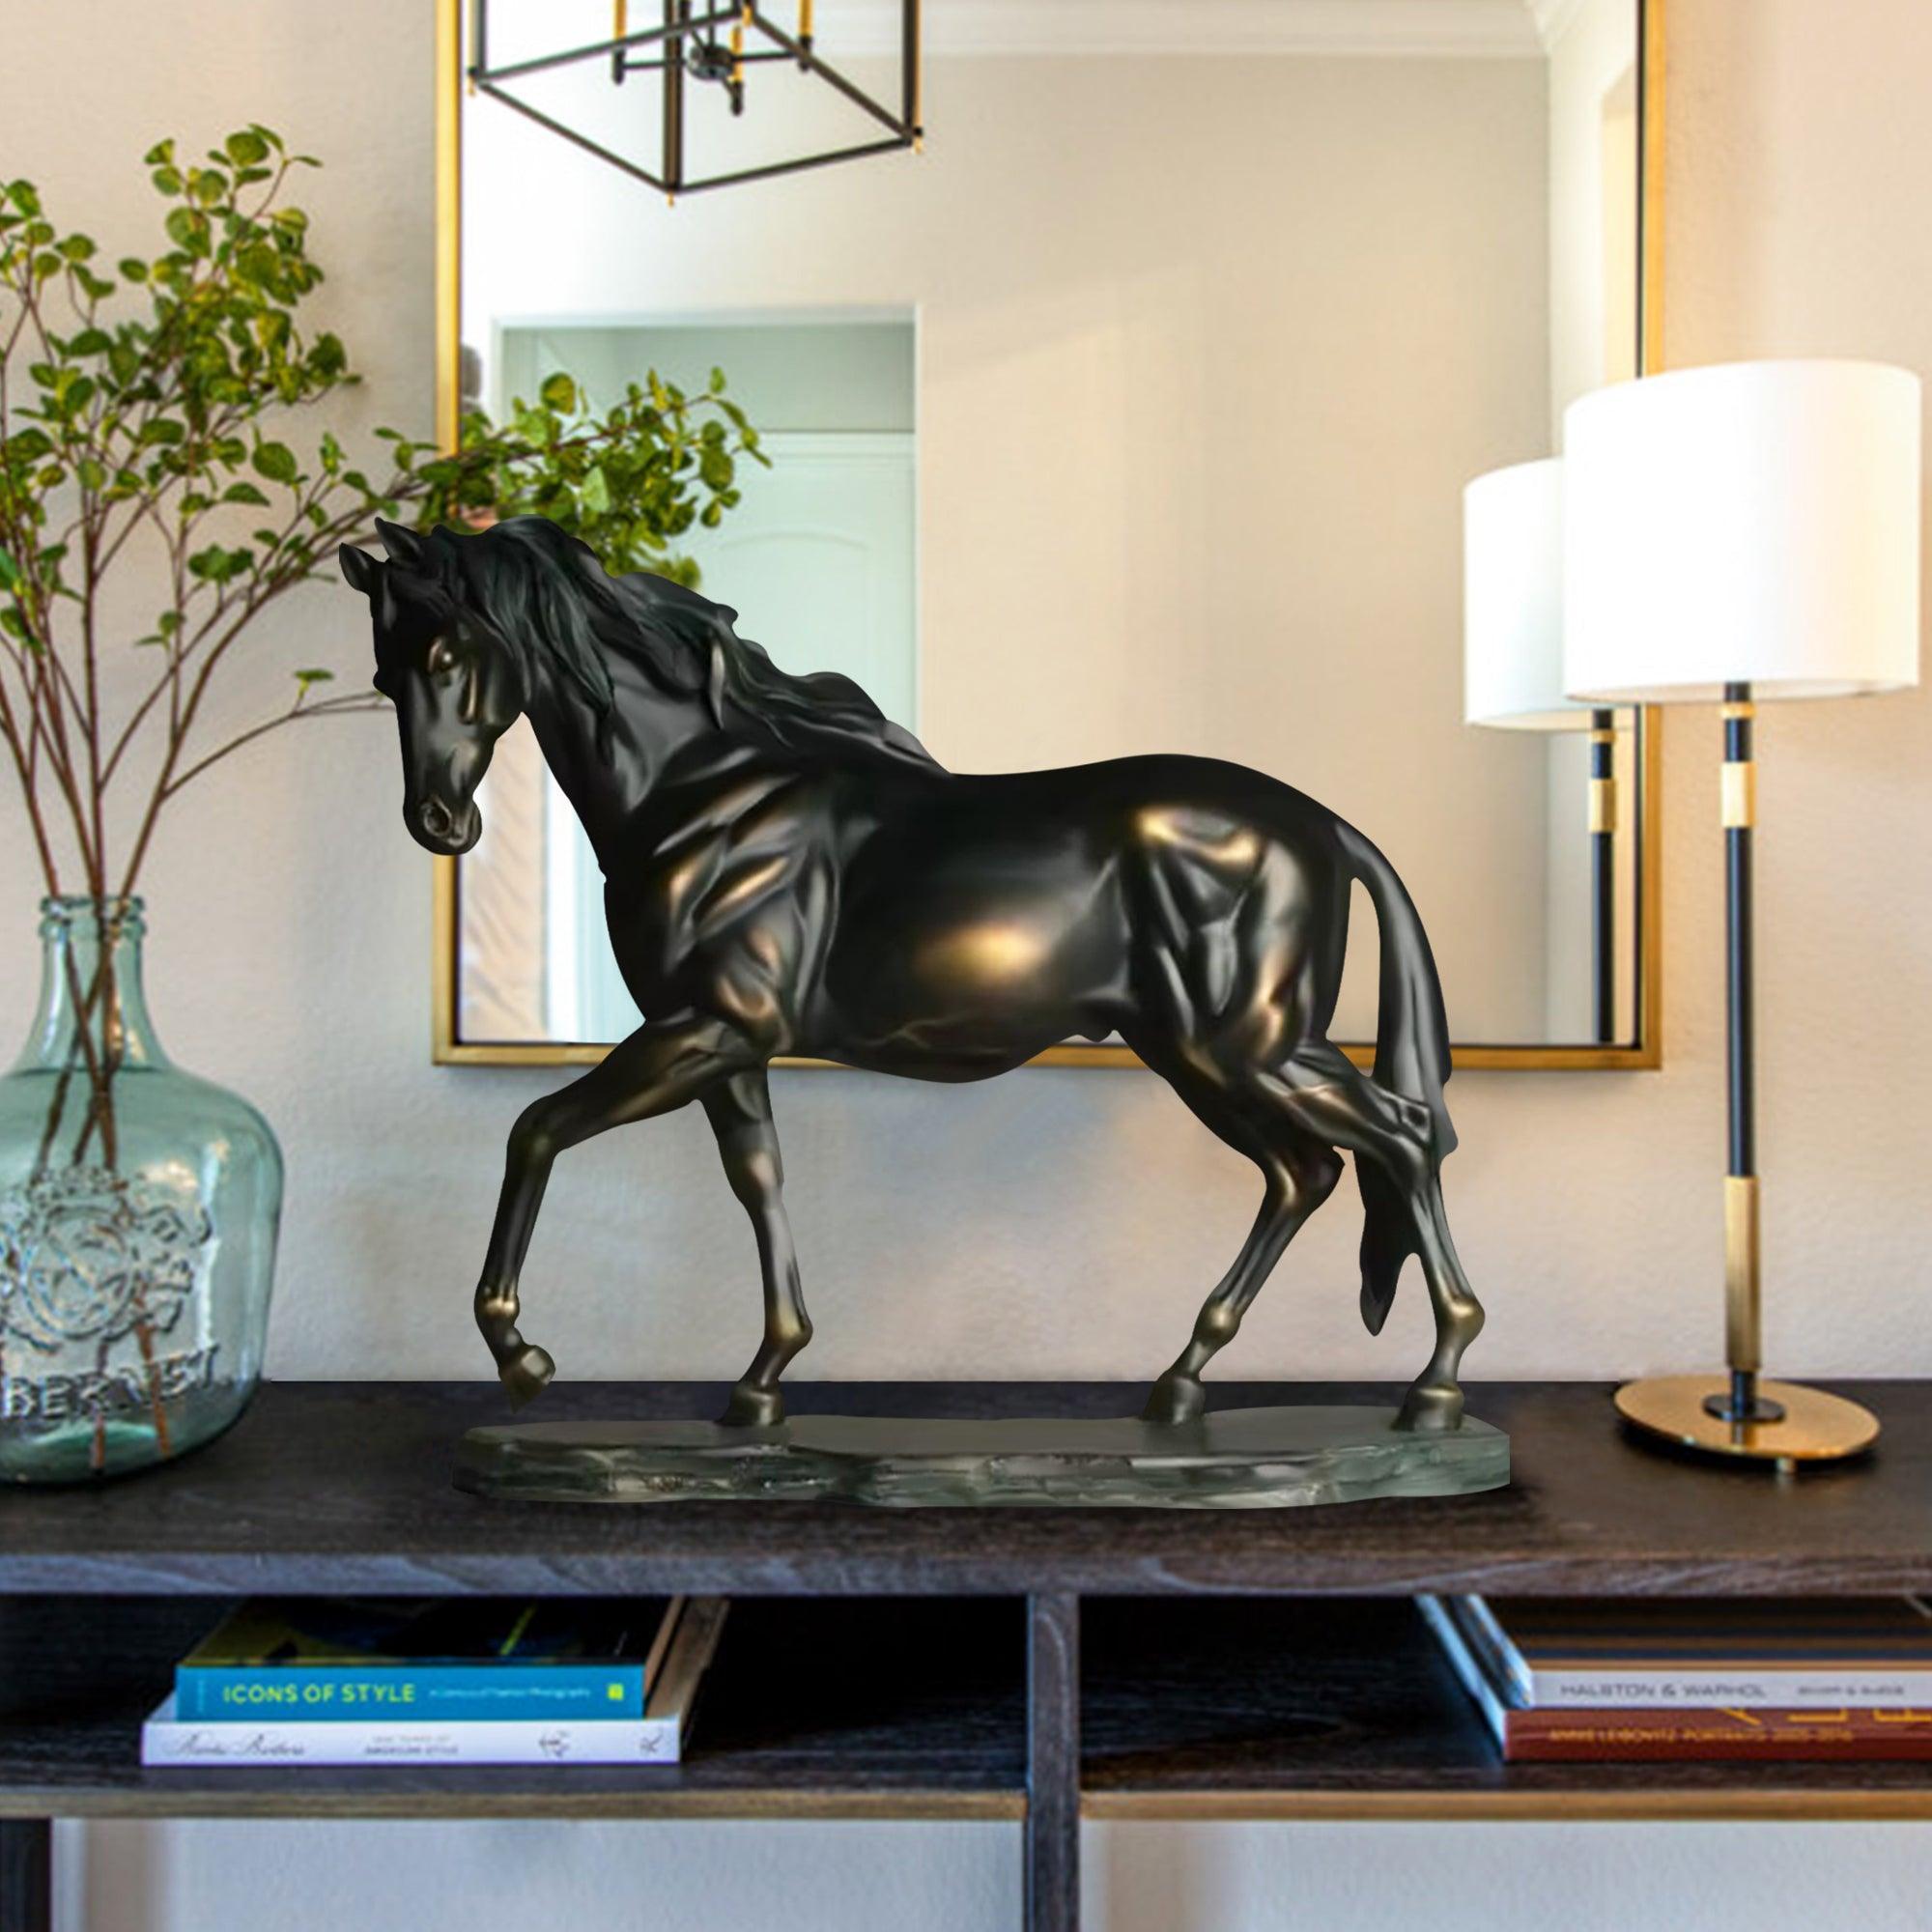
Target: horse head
{"type": "Point", "coordinates": [456, 684]}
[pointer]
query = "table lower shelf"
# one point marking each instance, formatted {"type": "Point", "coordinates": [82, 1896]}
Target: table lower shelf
{"type": "Point", "coordinates": [812, 1708]}
{"type": "Point", "coordinates": [1345, 1709]}
{"type": "Point", "coordinates": [915, 1708]}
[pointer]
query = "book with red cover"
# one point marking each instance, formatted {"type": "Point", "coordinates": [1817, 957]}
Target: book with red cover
{"type": "Point", "coordinates": [1580, 1736]}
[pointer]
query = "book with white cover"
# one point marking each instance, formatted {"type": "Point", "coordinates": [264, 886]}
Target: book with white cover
{"type": "Point", "coordinates": [1825, 1654]}
{"type": "Point", "coordinates": [656, 1738]}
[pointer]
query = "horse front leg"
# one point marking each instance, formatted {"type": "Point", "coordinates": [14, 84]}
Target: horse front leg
{"type": "Point", "coordinates": [661, 1066]}
{"type": "Point", "coordinates": [740, 1109]}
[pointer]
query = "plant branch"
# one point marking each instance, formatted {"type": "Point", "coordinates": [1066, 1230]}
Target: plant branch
{"type": "Point", "coordinates": [329, 708]}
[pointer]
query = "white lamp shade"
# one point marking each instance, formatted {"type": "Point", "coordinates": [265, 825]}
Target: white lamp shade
{"type": "Point", "coordinates": [1512, 600]}
{"type": "Point", "coordinates": [1752, 522]}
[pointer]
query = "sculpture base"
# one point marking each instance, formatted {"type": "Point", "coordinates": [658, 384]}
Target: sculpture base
{"type": "Point", "coordinates": [1238, 1459]}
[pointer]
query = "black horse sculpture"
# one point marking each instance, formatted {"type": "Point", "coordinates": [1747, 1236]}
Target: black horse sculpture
{"type": "Point", "coordinates": [788, 873]}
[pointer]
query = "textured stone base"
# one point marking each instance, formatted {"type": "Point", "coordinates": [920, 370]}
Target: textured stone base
{"type": "Point", "coordinates": [1239, 1459]}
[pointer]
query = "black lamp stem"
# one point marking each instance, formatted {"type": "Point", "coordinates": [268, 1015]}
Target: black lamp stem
{"type": "Point", "coordinates": [1742, 1300]}
{"type": "Point", "coordinates": [1604, 874]}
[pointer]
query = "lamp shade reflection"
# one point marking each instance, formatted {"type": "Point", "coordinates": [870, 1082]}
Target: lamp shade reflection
{"type": "Point", "coordinates": [1512, 600]}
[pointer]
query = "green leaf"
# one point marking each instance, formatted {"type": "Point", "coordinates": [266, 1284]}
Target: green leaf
{"type": "Point", "coordinates": [217, 564]}
{"type": "Point", "coordinates": [10, 572]}
{"type": "Point", "coordinates": [558, 393]}
{"type": "Point", "coordinates": [243, 493]}
{"type": "Point", "coordinates": [246, 147]}
{"type": "Point", "coordinates": [187, 229]}
{"type": "Point", "coordinates": [275, 461]}
{"type": "Point", "coordinates": [160, 154]}
{"type": "Point", "coordinates": [306, 678]}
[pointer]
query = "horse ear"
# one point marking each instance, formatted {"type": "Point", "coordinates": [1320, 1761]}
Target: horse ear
{"type": "Point", "coordinates": [405, 547]}
{"type": "Point", "coordinates": [363, 571]}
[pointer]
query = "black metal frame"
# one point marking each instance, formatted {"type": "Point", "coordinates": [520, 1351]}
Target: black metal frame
{"type": "Point", "coordinates": [682, 30]}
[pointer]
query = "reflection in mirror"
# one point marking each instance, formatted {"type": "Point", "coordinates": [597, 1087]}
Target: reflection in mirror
{"type": "Point", "coordinates": [1135, 413]}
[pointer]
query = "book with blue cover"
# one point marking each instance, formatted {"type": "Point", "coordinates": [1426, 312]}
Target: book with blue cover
{"type": "Point", "coordinates": [457, 1660]}
{"type": "Point", "coordinates": [658, 1737]}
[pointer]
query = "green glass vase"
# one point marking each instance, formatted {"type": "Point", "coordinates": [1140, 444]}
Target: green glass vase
{"type": "Point", "coordinates": [139, 1213]}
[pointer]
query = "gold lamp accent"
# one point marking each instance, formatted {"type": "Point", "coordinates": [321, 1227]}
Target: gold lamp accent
{"type": "Point", "coordinates": [1730, 533]}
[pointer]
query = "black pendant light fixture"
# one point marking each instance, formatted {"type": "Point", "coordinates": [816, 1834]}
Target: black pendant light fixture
{"type": "Point", "coordinates": [698, 46]}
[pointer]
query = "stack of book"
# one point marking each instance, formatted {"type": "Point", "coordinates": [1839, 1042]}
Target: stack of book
{"type": "Point", "coordinates": [338, 1681]}
{"type": "Point", "coordinates": [1832, 1679]}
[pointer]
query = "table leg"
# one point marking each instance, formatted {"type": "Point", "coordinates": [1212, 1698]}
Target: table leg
{"type": "Point", "coordinates": [26, 1874]}
{"type": "Point", "coordinates": [1053, 1764]}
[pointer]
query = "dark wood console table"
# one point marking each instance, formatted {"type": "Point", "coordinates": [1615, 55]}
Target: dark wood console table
{"type": "Point", "coordinates": [1055, 1664]}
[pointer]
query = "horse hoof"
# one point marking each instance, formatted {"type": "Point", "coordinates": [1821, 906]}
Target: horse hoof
{"type": "Point", "coordinates": [526, 1372]}
{"type": "Point", "coordinates": [1175, 1400]}
{"type": "Point", "coordinates": [1433, 1407]}
{"type": "Point", "coordinates": [752, 1408]}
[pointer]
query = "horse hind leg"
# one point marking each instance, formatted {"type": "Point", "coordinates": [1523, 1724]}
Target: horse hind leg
{"type": "Point", "coordinates": [1298, 1175]}
{"type": "Point", "coordinates": [1403, 1194]}
{"type": "Point", "coordinates": [1297, 1184]}
{"type": "Point", "coordinates": [1434, 1399]}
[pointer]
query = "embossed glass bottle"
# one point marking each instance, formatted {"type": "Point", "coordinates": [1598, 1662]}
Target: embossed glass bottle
{"type": "Point", "coordinates": [139, 1213]}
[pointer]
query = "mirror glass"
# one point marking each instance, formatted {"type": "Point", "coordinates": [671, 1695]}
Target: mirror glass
{"type": "Point", "coordinates": [1132, 413]}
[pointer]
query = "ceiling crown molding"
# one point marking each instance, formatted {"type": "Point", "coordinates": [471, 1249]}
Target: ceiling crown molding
{"type": "Point", "coordinates": [1484, 29]}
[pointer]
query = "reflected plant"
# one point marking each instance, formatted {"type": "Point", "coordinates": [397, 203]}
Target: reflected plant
{"type": "Point", "coordinates": [144, 439]}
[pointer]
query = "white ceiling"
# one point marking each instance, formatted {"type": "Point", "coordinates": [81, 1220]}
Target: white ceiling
{"type": "Point", "coordinates": [1470, 27]}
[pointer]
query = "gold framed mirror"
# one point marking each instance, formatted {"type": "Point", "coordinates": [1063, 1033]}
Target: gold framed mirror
{"type": "Point", "coordinates": [1524, 216]}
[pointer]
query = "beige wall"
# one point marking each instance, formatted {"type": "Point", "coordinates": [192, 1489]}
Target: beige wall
{"type": "Point", "coordinates": [1049, 1224]}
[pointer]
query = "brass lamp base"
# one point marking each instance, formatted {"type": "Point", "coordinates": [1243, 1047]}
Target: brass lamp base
{"type": "Point", "coordinates": [1813, 1427]}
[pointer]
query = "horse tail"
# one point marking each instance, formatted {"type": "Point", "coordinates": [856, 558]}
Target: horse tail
{"type": "Point", "coordinates": [1411, 1061]}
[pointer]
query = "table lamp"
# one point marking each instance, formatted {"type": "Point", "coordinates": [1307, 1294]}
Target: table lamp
{"type": "Point", "coordinates": [1512, 667]}
{"type": "Point", "coordinates": [1733, 533]}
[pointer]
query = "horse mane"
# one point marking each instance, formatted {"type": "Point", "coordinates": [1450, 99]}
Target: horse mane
{"type": "Point", "coordinates": [542, 589]}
